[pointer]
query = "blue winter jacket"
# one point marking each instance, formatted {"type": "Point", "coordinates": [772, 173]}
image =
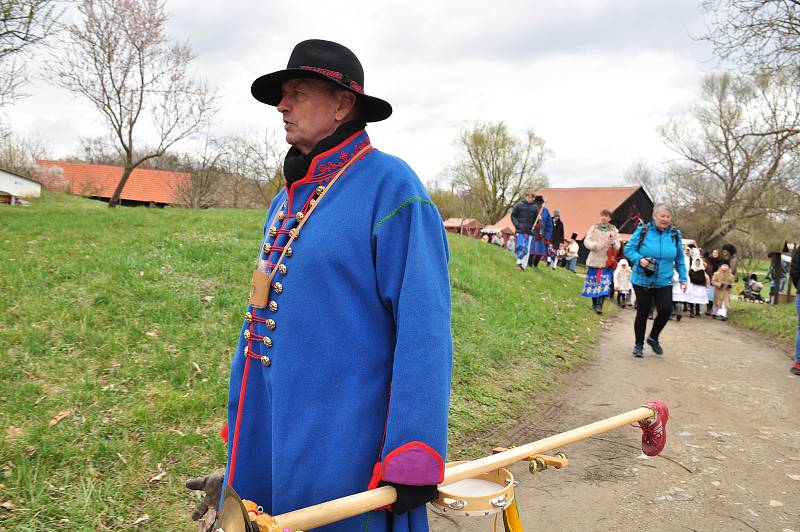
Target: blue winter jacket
{"type": "Point", "coordinates": [662, 246]}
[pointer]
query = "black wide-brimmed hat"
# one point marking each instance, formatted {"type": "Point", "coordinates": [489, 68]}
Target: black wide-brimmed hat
{"type": "Point", "coordinates": [326, 60]}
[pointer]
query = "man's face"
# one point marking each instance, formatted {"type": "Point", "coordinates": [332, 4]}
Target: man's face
{"type": "Point", "coordinates": [309, 108]}
{"type": "Point", "coordinates": [528, 198]}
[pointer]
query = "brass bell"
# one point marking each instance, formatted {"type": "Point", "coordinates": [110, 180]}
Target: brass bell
{"type": "Point", "coordinates": [248, 317]}
{"type": "Point", "coordinates": [273, 231]}
{"type": "Point", "coordinates": [267, 341]}
{"type": "Point", "coordinates": [289, 252]}
{"type": "Point", "coordinates": [246, 334]}
{"type": "Point", "coordinates": [267, 247]}
{"type": "Point", "coordinates": [312, 203]}
{"type": "Point", "coordinates": [278, 287]}
{"type": "Point", "coordinates": [273, 306]}
{"type": "Point", "coordinates": [294, 233]}
{"type": "Point", "coordinates": [246, 350]}
{"type": "Point", "coordinates": [270, 324]}
{"type": "Point", "coordinates": [266, 361]}
{"type": "Point", "coordinates": [299, 216]}
{"type": "Point", "coordinates": [537, 465]}
{"type": "Point", "coordinates": [283, 269]}
{"type": "Point", "coordinates": [281, 214]}
{"type": "Point", "coordinates": [320, 189]}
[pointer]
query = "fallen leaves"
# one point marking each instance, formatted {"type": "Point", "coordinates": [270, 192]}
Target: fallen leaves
{"type": "Point", "coordinates": [143, 519]}
{"type": "Point", "coordinates": [13, 432]}
{"type": "Point", "coordinates": [58, 417]}
{"type": "Point", "coordinates": [161, 474]}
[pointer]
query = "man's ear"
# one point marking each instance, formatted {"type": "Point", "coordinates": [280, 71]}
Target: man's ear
{"type": "Point", "coordinates": [347, 102]}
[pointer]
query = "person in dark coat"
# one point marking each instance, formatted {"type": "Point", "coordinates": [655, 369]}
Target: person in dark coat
{"type": "Point", "coordinates": [542, 233]}
{"type": "Point", "coordinates": [523, 216]}
{"type": "Point", "coordinates": [558, 230]}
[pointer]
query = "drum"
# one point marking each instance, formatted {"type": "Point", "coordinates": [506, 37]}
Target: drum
{"type": "Point", "coordinates": [486, 494]}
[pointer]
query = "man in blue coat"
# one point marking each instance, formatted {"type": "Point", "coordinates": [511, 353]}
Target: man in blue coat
{"type": "Point", "coordinates": [542, 232]}
{"type": "Point", "coordinates": [655, 250]}
{"type": "Point", "coordinates": [341, 378]}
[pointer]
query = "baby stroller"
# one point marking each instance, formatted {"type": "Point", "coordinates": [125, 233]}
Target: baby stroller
{"type": "Point", "coordinates": [752, 290]}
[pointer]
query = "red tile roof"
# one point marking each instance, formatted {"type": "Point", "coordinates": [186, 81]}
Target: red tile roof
{"type": "Point", "coordinates": [462, 222]}
{"type": "Point", "coordinates": [579, 207]}
{"type": "Point", "coordinates": [100, 180]}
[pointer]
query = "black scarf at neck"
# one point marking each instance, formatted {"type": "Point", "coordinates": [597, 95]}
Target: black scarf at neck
{"type": "Point", "coordinates": [295, 165]}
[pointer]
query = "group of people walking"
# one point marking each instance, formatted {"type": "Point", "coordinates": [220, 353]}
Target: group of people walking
{"type": "Point", "coordinates": [539, 235]}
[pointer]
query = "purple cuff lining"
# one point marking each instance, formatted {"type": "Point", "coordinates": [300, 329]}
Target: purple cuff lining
{"type": "Point", "coordinates": [415, 467]}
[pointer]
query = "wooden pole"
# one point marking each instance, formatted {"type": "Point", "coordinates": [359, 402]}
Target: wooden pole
{"type": "Point", "coordinates": [338, 509]}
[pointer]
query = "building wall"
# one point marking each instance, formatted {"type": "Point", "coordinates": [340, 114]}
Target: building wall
{"type": "Point", "coordinates": [19, 186]}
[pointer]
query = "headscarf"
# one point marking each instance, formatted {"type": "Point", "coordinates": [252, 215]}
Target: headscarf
{"type": "Point", "coordinates": [697, 263]}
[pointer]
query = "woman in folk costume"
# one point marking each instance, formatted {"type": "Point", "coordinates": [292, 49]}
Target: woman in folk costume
{"type": "Point", "coordinates": [341, 378]}
{"type": "Point", "coordinates": [542, 232]}
{"type": "Point", "coordinates": [622, 282]}
{"type": "Point", "coordinates": [602, 241]}
{"type": "Point", "coordinates": [723, 282]}
{"type": "Point", "coordinates": [680, 297]}
{"type": "Point", "coordinates": [697, 290]}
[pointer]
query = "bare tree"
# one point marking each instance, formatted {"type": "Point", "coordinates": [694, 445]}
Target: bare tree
{"type": "Point", "coordinates": [19, 154]}
{"type": "Point", "coordinates": [118, 58]}
{"type": "Point", "coordinates": [495, 167]}
{"type": "Point", "coordinates": [738, 151]}
{"type": "Point", "coordinates": [760, 33]}
{"type": "Point", "coordinates": [206, 171]}
{"type": "Point", "coordinates": [23, 24]}
{"type": "Point", "coordinates": [259, 158]}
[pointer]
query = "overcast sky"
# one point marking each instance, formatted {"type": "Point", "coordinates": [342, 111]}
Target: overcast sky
{"type": "Point", "coordinates": [594, 78]}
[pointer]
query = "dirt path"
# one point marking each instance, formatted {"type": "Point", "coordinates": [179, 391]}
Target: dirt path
{"type": "Point", "coordinates": [732, 460]}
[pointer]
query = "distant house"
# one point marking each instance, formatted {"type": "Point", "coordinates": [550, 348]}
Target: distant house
{"type": "Point", "coordinates": [464, 226]}
{"type": "Point", "coordinates": [580, 208]}
{"type": "Point", "coordinates": [144, 186]}
{"type": "Point", "coordinates": [14, 187]}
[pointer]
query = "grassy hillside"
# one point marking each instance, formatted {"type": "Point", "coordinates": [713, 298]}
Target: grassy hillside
{"type": "Point", "coordinates": [777, 320]}
{"type": "Point", "coordinates": [116, 332]}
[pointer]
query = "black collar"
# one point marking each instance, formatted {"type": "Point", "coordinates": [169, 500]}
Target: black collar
{"type": "Point", "coordinates": [295, 165]}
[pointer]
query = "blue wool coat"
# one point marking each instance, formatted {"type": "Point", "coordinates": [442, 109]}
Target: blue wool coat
{"type": "Point", "coordinates": [661, 246]}
{"type": "Point", "coordinates": [358, 344]}
{"type": "Point", "coordinates": [539, 247]}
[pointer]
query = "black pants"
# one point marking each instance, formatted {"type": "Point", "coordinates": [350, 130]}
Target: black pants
{"type": "Point", "coordinates": [647, 298]}
{"type": "Point", "coordinates": [533, 260]}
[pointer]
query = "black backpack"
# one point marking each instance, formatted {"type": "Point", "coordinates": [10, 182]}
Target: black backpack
{"type": "Point", "coordinates": [643, 234]}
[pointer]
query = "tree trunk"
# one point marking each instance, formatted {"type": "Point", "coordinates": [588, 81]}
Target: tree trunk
{"type": "Point", "coordinates": [114, 201]}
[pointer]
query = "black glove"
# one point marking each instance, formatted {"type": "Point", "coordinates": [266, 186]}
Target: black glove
{"type": "Point", "coordinates": [411, 496]}
{"type": "Point", "coordinates": [212, 485]}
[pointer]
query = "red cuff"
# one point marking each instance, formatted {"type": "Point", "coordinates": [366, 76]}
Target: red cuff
{"type": "Point", "coordinates": [223, 433]}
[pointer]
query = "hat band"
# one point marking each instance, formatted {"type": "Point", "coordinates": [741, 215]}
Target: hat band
{"type": "Point", "coordinates": [336, 75]}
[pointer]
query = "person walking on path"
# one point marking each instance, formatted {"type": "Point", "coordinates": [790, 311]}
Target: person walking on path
{"type": "Point", "coordinates": [571, 255]}
{"type": "Point", "coordinates": [602, 241]}
{"type": "Point", "coordinates": [713, 262]}
{"type": "Point", "coordinates": [622, 282]}
{"type": "Point", "coordinates": [542, 233]}
{"type": "Point", "coordinates": [723, 282]}
{"type": "Point", "coordinates": [794, 275]}
{"type": "Point", "coordinates": [341, 377]}
{"type": "Point", "coordinates": [523, 216]}
{"type": "Point", "coordinates": [729, 256]}
{"type": "Point", "coordinates": [698, 287]}
{"type": "Point", "coordinates": [655, 250]}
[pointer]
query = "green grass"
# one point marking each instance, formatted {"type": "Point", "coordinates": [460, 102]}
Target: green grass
{"type": "Point", "coordinates": [127, 319]}
{"type": "Point", "coordinates": [777, 320]}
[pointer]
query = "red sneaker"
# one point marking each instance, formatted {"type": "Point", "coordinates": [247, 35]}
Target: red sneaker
{"type": "Point", "coordinates": [654, 430]}
{"type": "Point", "coordinates": [796, 369]}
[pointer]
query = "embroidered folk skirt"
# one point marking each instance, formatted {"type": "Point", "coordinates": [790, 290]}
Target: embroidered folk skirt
{"type": "Point", "coordinates": [598, 282]}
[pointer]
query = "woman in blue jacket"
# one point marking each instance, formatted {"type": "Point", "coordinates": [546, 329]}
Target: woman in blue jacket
{"type": "Point", "coordinates": [655, 251]}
